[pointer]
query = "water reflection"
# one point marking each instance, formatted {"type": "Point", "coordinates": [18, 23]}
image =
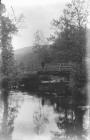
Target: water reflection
{"type": "Point", "coordinates": [70, 111]}
{"type": "Point", "coordinates": [40, 119]}
{"type": "Point", "coordinates": [41, 115]}
{"type": "Point", "coordinates": [9, 107]}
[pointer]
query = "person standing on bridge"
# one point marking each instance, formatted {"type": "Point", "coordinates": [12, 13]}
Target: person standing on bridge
{"type": "Point", "coordinates": [43, 65]}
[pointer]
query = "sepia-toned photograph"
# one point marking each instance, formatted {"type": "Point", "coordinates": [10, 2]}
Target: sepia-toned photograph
{"type": "Point", "coordinates": [44, 69]}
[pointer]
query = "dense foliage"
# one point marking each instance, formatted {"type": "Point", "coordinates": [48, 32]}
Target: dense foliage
{"type": "Point", "coordinates": [70, 29]}
{"type": "Point", "coordinates": [8, 28]}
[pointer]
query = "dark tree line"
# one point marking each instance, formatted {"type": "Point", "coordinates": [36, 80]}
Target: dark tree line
{"type": "Point", "coordinates": [70, 32]}
{"type": "Point", "coordinates": [69, 45]}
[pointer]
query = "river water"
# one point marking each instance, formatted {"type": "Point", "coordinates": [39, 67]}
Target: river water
{"type": "Point", "coordinates": [40, 116]}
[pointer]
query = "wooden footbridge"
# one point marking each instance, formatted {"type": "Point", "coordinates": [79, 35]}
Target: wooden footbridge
{"type": "Point", "coordinates": [53, 76]}
{"type": "Point", "coordinates": [56, 77]}
{"type": "Point", "coordinates": [62, 70]}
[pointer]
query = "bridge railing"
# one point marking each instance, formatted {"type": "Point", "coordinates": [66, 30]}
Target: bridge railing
{"type": "Point", "coordinates": [60, 67]}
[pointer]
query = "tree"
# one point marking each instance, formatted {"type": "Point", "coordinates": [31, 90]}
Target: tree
{"type": "Point", "coordinates": [41, 48]}
{"type": "Point", "coordinates": [70, 46]}
{"type": "Point", "coordinates": [39, 40]}
{"type": "Point", "coordinates": [8, 28]}
{"type": "Point", "coordinates": [70, 37]}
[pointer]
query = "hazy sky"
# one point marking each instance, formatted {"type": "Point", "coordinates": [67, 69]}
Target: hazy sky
{"type": "Point", "coordinates": [38, 15]}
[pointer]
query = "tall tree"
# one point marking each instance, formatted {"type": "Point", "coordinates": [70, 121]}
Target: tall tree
{"type": "Point", "coordinates": [8, 28]}
{"type": "Point", "coordinates": [70, 31]}
{"type": "Point", "coordinates": [70, 44]}
{"type": "Point", "coordinates": [41, 48]}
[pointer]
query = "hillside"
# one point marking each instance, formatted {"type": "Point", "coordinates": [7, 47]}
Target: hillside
{"type": "Point", "coordinates": [21, 54]}
{"type": "Point", "coordinates": [27, 57]}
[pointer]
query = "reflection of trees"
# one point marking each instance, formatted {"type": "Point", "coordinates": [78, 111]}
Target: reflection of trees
{"type": "Point", "coordinates": [70, 111]}
{"type": "Point", "coordinates": [10, 109]}
{"type": "Point", "coordinates": [40, 119]}
{"type": "Point", "coordinates": [5, 113]}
